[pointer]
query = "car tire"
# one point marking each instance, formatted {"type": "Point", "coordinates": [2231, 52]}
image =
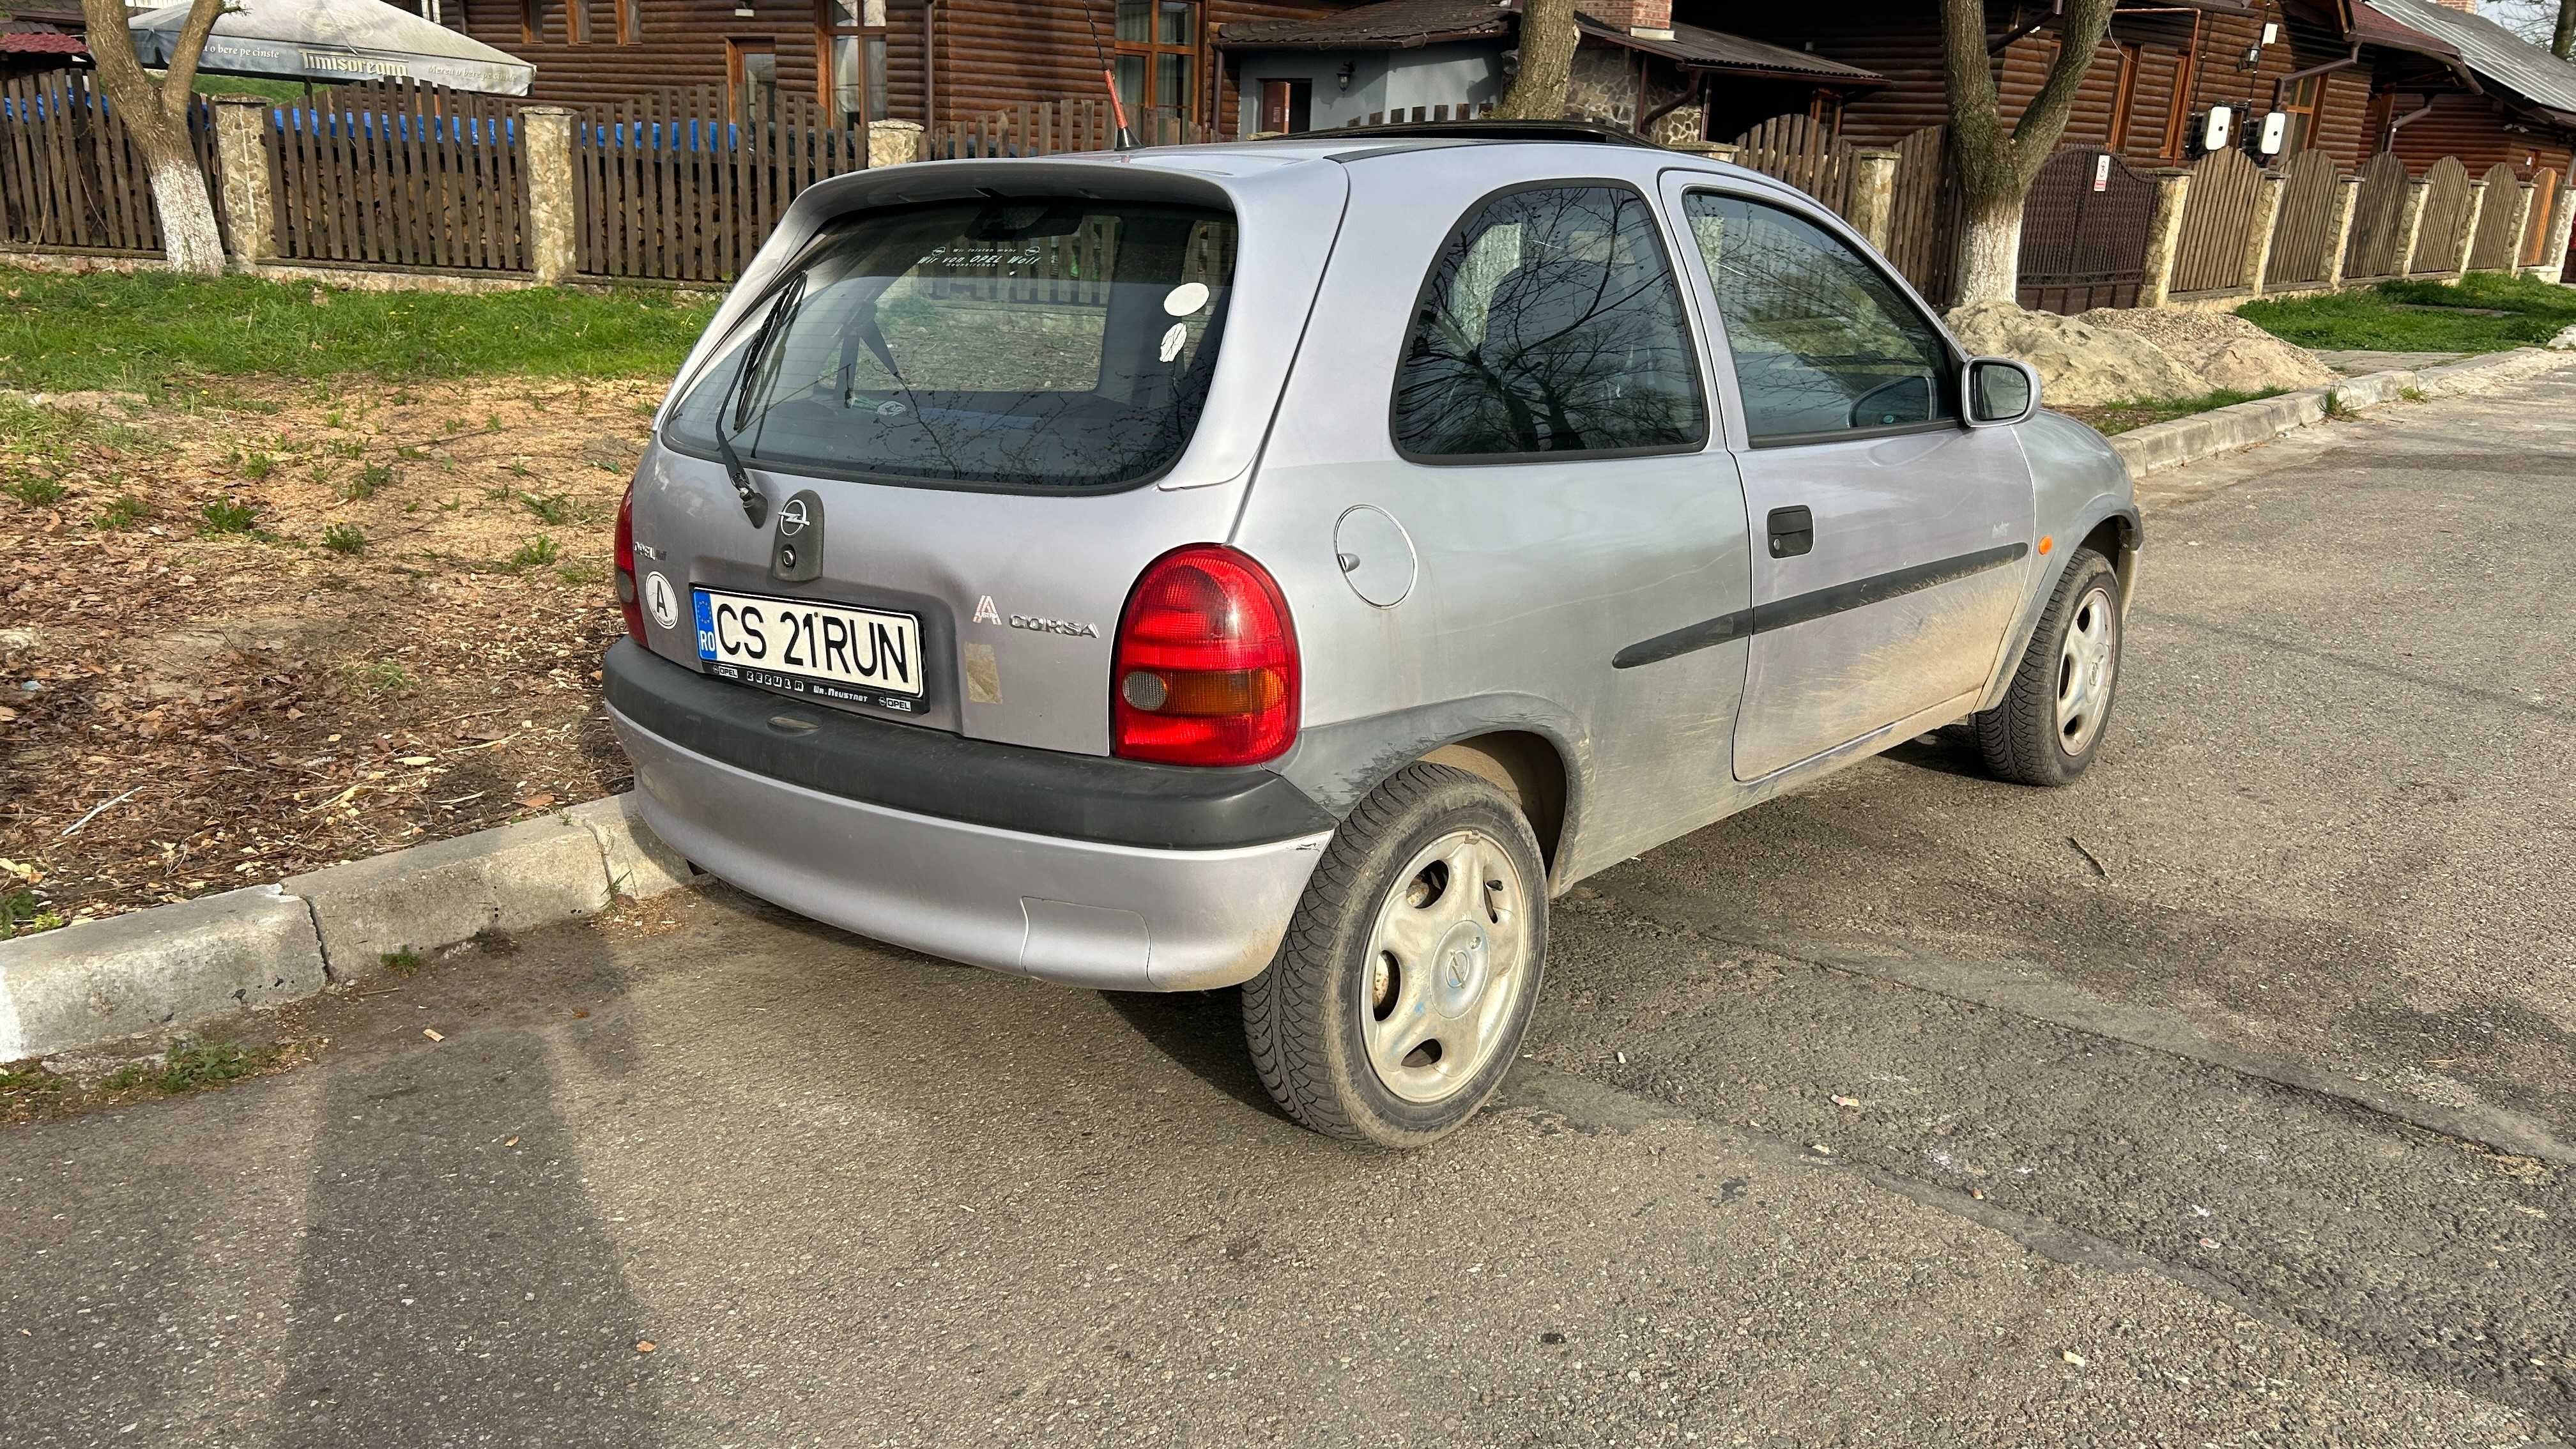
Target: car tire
{"type": "Point", "coordinates": [2053, 716]}
{"type": "Point", "coordinates": [1399, 995]}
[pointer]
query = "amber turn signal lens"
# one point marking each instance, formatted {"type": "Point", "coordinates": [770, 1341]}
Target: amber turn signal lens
{"type": "Point", "coordinates": [2046, 542]}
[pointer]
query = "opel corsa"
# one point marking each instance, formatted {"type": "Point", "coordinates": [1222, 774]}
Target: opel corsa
{"type": "Point", "coordinates": [1290, 564]}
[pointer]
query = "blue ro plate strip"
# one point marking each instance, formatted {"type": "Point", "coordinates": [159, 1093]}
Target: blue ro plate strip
{"type": "Point", "coordinates": [706, 623]}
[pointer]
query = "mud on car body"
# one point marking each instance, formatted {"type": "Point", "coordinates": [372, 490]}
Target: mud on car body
{"type": "Point", "coordinates": [1290, 564]}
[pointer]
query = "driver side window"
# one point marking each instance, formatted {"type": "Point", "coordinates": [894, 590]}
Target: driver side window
{"type": "Point", "coordinates": [1823, 343]}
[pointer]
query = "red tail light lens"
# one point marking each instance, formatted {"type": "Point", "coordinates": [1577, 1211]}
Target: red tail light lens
{"type": "Point", "coordinates": [629, 602]}
{"type": "Point", "coordinates": [1205, 671]}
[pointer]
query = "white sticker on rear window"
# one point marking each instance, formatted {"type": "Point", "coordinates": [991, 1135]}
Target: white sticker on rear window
{"type": "Point", "coordinates": [1184, 299]}
{"type": "Point", "coordinates": [1173, 340]}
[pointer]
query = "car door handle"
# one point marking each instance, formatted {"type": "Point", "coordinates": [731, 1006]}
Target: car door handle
{"type": "Point", "coordinates": [1793, 532]}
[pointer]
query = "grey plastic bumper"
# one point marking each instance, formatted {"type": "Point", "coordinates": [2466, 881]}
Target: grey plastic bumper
{"type": "Point", "coordinates": [1088, 913]}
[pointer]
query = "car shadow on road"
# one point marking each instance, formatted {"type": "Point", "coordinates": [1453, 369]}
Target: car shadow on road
{"type": "Point", "coordinates": [1202, 1031]}
{"type": "Point", "coordinates": [1949, 750]}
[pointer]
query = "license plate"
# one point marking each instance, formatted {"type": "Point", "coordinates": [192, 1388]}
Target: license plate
{"type": "Point", "coordinates": [807, 648]}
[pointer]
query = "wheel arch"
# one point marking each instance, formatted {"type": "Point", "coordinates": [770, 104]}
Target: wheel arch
{"type": "Point", "coordinates": [1529, 748]}
{"type": "Point", "coordinates": [2111, 528]}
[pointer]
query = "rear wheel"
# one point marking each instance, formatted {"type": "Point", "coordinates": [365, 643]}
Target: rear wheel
{"type": "Point", "coordinates": [2052, 718]}
{"type": "Point", "coordinates": [1397, 1000]}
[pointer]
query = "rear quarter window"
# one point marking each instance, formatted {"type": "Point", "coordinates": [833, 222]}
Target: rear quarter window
{"type": "Point", "coordinates": [1041, 343]}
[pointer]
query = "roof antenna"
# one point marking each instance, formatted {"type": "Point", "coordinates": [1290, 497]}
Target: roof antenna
{"type": "Point", "coordinates": [1125, 139]}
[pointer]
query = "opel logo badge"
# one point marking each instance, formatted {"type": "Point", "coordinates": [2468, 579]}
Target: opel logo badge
{"type": "Point", "coordinates": [792, 519]}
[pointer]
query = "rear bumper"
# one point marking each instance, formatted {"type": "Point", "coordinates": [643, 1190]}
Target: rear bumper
{"type": "Point", "coordinates": [1102, 913]}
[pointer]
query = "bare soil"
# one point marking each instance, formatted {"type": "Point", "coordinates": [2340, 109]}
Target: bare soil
{"type": "Point", "coordinates": [401, 641]}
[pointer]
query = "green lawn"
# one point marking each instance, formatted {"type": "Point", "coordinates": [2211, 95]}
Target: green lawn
{"type": "Point", "coordinates": [147, 330]}
{"type": "Point", "coordinates": [2424, 316]}
{"type": "Point", "coordinates": [2122, 416]}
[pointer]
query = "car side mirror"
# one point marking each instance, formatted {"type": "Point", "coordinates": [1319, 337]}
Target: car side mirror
{"type": "Point", "coordinates": [2000, 391]}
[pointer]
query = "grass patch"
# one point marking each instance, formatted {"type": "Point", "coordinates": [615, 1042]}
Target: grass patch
{"type": "Point", "coordinates": [535, 553]}
{"type": "Point", "coordinates": [34, 490]}
{"type": "Point", "coordinates": [2512, 311]}
{"type": "Point", "coordinates": [2122, 416]}
{"type": "Point", "coordinates": [369, 479]}
{"type": "Point", "coordinates": [345, 538]}
{"type": "Point", "coordinates": [124, 511]}
{"type": "Point", "coordinates": [553, 508]}
{"type": "Point", "coordinates": [21, 914]}
{"type": "Point", "coordinates": [228, 515]}
{"type": "Point", "coordinates": [382, 676]}
{"type": "Point", "coordinates": [193, 1069]}
{"type": "Point", "coordinates": [401, 963]}
{"type": "Point", "coordinates": [258, 466]}
{"type": "Point", "coordinates": [146, 330]}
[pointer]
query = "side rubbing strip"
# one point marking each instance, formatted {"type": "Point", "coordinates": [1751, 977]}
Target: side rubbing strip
{"type": "Point", "coordinates": [1815, 604]}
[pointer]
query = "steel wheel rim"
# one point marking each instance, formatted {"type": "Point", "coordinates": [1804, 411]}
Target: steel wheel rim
{"type": "Point", "coordinates": [2086, 665]}
{"type": "Point", "coordinates": [1448, 960]}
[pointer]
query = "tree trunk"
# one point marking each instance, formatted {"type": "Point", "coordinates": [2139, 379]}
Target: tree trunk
{"type": "Point", "coordinates": [2563, 40]}
{"type": "Point", "coordinates": [1548, 39]}
{"type": "Point", "coordinates": [1995, 166]}
{"type": "Point", "coordinates": [156, 116]}
{"type": "Point", "coordinates": [1989, 268]}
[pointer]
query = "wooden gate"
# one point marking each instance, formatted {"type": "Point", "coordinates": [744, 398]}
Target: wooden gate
{"type": "Point", "coordinates": [71, 178]}
{"type": "Point", "coordinates": [2438, 243]}
{"type": "Point", "coordinates": [2378, 220]}
{"type": "Point", "coordinates": [1802, 153]}
{"type": "Point", "coordinates": [2084, 233]}
{"type": "Point", "coordinates": [1923, 214]}
{"type": "Point", "coordinates": [397, 173]}
{"type": "Point", "coordinates": [671, 187]}
{"type": "Point", "coordinates": [2537, 236]}
{"type": "Point", "coordinates": [2303, 235]}
{"type": "Point", "coordinates": [2493, 248]}
{"type": "Point", "coordinates": [2217, 222]}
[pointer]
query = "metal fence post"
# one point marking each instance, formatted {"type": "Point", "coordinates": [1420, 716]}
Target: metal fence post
{"type": "Point", "coordinates": [241, 158]}
{"type": "Point", "coordinates": [1873, 196]}
{"type": "Point", "coordinates": [2410, 225]}
{"type": "Point", "coordinates": [2346, 196]}
{"type": "Point", "coordinates": [548, 133]}
{"type": "Point", "coordinates": [2258, 237]}
{"type": "Point", "coordinates": [2164, 236]}
{"type": "Point", "coordinates": [2467, 239]}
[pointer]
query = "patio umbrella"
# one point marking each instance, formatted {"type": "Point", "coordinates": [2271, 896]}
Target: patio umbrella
{"type": "Point", "coordinates": [335, 40]}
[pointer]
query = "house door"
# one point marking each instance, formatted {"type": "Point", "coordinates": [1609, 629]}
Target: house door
{"type": "Point", "coordinates": [1287, 105]}
{"type": "Point", "coordinates": [751, 77]}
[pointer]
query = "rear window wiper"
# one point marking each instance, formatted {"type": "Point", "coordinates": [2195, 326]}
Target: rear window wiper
{"type": "Point", "coordinates": [755, 504]}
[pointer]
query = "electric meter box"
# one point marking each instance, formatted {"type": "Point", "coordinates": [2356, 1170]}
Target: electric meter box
{"type": "Point", "coordinates": [2276, 128]}
{"type": "Point", "coordinates": [2221, 124]}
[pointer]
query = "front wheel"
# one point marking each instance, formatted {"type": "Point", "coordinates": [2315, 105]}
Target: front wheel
{"type": "Point", "coordinates": [2052, 718]}
{"type": "Point", "coordinates": [1398, 998]}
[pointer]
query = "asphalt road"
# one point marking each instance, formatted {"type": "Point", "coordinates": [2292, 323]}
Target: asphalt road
{"type": "Point", "coordinates": [2222, 1099]}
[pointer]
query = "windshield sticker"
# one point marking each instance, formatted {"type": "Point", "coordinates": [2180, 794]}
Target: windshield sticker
{"type": "Point", "coordinates": [1184, 299]}
{"type": "Point", "coordinates": [1173, 341]}
{"type": "Point", "coordinates": [983, 254]}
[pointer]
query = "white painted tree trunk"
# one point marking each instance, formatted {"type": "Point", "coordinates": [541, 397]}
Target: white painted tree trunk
{"type": "Point", "coordinates": [1989, 257]}
{"type": "Point", "coordinates": [188, 234]}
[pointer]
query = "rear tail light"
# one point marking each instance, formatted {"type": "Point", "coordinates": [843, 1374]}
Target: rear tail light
{"type": "Point", "coordinates": [629, 602]}
{"type": "Point", "coordinates": [1205, 671]}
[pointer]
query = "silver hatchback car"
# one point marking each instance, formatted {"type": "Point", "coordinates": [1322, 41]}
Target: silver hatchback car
{"type": "Point", "coordinates": [1289, 564]}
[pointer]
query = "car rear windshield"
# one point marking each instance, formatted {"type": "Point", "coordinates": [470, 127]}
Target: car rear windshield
{"type": "Point", "coordinates": [1051, 343]}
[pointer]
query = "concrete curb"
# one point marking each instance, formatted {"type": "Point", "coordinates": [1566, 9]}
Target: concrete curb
{"type": "Point", "coordinates": [176, 966]}
{"type": "Point", "coordinates": [2159, 446]}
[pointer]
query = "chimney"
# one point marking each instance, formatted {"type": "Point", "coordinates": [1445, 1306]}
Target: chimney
{"type": "Point", "coordinates": [1652, 19]}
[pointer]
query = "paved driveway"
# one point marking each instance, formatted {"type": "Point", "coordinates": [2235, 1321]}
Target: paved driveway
{"type": "Point", "coordinates": [2225, 1098]}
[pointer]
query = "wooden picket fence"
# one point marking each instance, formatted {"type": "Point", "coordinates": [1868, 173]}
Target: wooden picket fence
{"type": "Point", "coordinates": [2303, 232]}
{"type": "Point", "coordinates": [1053, 128]}
{"type": "Point", "coordinates": [2439, 246]}
{"type": "Point", "coordinates": [2496, 241]}
{"type": "Point", "coordinates": [1414, 115]}
{"type": "Point", "coordinates": [395, 173]}
{"type": "Point", "coordinates": [71, 177]}
{"type": "Point", "coordinates": [2537, 236]}
{"type": "Point", "coordinates": [670, 186]}
{"type": "Point", "coordinates": [2378, 220]}
{"type": "Point", "coordinates": [2217, 222]}
{"type": "Point", "coordinates": [1923, 220]}
{"type": "Point", "coordinates": [1796, 150]}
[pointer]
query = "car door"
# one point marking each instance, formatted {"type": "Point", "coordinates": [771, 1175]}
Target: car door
{"type": "Point", "coordinates": [1890, 541]}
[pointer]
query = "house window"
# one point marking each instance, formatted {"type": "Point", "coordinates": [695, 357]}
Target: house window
{"type": "Point", "coordinates": [576, 22]}
{"type": "Point", "coordinates": [2124, 95]}
{"type": "Point", "coordinates": [2299, 103]}
{"type": "Point", "coordinates": [852, 63]}
{"type": "Point", "coordinates": [1287, 105]}
{"type": "Point", "coordinates": [2178, 118]}
{"type": "Point", "coordinates": [1158, 55]}
{"type": "Point", "coordinates": [532, 21]}
{"type": "Point", "coordinates": [751, 77]}
{"type": "Point", "coordinates": [630, 26]}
